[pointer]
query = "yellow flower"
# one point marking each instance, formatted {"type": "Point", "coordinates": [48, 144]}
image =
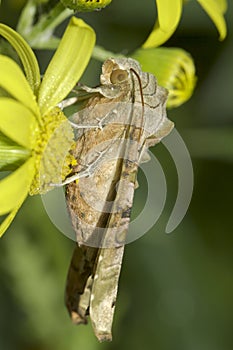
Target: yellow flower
{"type": "Point", "coordinates": [29, 115]}
{"type": "Point", "coordinates": [169, 14]}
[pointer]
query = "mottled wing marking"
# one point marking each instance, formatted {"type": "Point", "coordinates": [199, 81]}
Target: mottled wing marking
{"type": "Point", "coordinates": [127, 124]}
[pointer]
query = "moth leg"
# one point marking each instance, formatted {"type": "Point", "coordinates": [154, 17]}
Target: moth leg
{"type": "Point", "coordinates": [109, 91]}
{"type": "Point", "coordinates": [100, 121]}
{"type": "Point", "coordinates": [79, 126]}
{"type": "Point", "coordinates": [68, 102]}
{"type": "Point", "coordinates": [72, 178]}
{"type": "Point", "coordinates": [86, 173]}
{"type": "Point", "coordinates": [79, 98]}
{"type": "Point", "coordinates": [89, 89]}
{"type": "Point", "coordinates": [77, 176]}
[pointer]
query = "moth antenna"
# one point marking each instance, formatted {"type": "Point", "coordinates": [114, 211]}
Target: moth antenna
{"type": "Point", "coordinates": [140, 84]}
{"type": "Point", "coordinates": [141, 94]}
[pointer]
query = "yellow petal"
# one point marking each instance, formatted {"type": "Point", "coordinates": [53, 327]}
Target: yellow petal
{"type": "Point", "coordinates": [8, 220]}
{"type": "Point", "coordinates": [67, 64]}
{"type": "Point", "coordinates": [14, 82]}
{"type": "Point", "coordinates": [216, 9]}
{"type": "Point", "coordinates": [169, 13]}
{"type": "Point", "coordinates": [26, 55]}
{"type": "Point", "coordinates": [17, 122]}
{"type": "Point", "coordinates": [15, 187]}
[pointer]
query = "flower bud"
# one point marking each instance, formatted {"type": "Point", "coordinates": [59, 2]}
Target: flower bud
{"type": "Point", "coordinates": [174, 70]}
{"type": "Point", "coordinates": [85, 5]}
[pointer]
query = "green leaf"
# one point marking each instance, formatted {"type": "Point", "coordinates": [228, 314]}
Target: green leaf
{"type": "Point", "coordinates": [67, 64]}
{"type": "Point", "coordinates": [26, 55]}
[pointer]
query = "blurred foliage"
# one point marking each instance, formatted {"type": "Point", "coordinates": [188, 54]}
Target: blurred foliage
{"type": "Point", "coordinates": [175, 290]}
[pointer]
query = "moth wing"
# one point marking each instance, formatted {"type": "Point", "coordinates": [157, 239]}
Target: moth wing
{"type": "Point", "coordinates": [79, 282]}
{"type": "Point", "coordinates": [104, 291]}
{"type": "Point", "coordinates": [109, 259]}
{"type": "Point", "coordinates": [85, 258]}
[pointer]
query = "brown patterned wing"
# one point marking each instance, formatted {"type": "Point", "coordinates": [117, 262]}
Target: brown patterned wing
{"type": "Point", "coordinates": [129, 111]}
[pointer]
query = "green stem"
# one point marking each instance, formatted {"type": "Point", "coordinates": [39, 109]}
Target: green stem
{"type": "Point", "coordinates": [40, 35]}
{"type": "Point", "coordinates": [50, 21]}
{"type": "Point", "coordinates": [100, 54]}
{"type": "Point", "coordinates": [46, 24]}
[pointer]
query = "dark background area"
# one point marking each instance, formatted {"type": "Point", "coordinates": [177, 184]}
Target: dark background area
{"type": "Point", "coordinates": [176, 290]}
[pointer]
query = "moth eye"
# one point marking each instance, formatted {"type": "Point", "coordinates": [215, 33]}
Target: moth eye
{"type": "Point", "coordinates": [118, 76]}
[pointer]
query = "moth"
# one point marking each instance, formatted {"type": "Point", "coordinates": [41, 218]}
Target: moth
{"type": "Point", "coordinates": [122, 117]}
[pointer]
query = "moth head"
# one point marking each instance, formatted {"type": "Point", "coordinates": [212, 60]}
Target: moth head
{"type": "Point", "coordinates": [119, 76]}
{"type": "Point", "coordinates": [117, 71]}
{"type": "Point", "coordinates": [113, 73]}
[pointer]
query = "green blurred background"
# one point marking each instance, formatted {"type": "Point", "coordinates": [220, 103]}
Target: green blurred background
{"type": "Point", "coordinates": [176, 290]}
